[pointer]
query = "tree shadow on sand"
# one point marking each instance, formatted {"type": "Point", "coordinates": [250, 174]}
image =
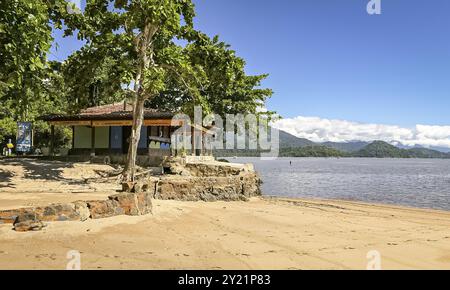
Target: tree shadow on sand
{"type": "Point", "coordinates": [5, 178]}
{"type": "Point", "coordinates": [38, 170]}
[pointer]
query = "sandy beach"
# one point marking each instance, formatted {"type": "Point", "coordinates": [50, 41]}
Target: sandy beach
{"type": "Point", "coordinates": [260, 234]}
{"type": "Point", "coordinates": [263, 233]}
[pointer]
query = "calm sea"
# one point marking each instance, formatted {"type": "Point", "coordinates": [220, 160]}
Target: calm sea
{"type": "Point", "coordinates": [411, 182]}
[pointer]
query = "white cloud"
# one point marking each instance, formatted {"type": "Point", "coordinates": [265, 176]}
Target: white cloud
{"type": "Point", "coordinates": [322, 130]}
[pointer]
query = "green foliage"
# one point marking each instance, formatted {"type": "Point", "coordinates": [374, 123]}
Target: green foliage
{"type": "Point", "coordinates": [8, 129]}
{"type": "Point", "coordinates": [131, 51]}
{"type": "Point", "coordinates": [42, 135]}
{"type": "Point", "coordinates": [382, 149]}
{"type": "Point", "coordinates": [92, 78]}
{"type": "Point", "coordinates": [311, 151]}
{"type": "Point", "coordinates": [219, 75]}
{"type": "Point", "coordinates": [30, 85]}
{"type": "Point", "coordinates": [25, 38]}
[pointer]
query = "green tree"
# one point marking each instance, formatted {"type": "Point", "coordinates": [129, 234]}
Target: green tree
{"type": "Point", "coordinates": [25, 38]}
{"type": "Point", "coordinates": [226, 88]}
{"type": "Point", "coordinates": [30, 85]}
{"type": "Point", "coordinates": [92, 78]}
{"type": "Point", "coordinates": [141, 35]}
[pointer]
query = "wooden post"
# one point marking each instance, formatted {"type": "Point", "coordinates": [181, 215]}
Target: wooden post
{"type": "Point", "coordinates": [52, 140]}
{"type": "Point", "coordinates": [92, 141]}
{"type": "Point", "coordinates": [73, 137]}
{"type": "Point", "coordinates": [192, 141]}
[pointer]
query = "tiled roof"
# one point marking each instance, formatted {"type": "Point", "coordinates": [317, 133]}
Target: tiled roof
{"type": "Point", "coordinates": [117, 111]}
{"type": "Point", "coordinates": [108, 109]}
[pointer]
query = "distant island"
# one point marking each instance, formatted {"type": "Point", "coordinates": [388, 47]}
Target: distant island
{"type": "Point", "coordinates": [292, 146]}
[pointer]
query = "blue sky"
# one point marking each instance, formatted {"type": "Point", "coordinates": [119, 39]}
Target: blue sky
{"type": "Point", "coordinates": [331, 59]}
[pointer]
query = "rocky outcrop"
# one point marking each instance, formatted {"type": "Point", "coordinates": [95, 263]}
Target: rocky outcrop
{"type": "Point", "coordinates": [57, 212]}
{"type": "Point", "coordinates": [104, 208]}
{"type": "Point", "coordinates": [232, 188]}
{"type": "Point", "coordinates": [177, 166]}
{"type": "Point", "coordinates": [28, 221]}
{"type": "Point", "coordinates": [31, 219]}
{"type": "Point", "coordinates": [10, 216]}
{"type": "Point", "coordinates": [133, 204]}
{"type": "Point", "coordinates": [210, 181]}
{"type": "Point", "coordinates": [82, 209]}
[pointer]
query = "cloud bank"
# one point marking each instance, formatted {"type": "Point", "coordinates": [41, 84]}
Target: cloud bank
{"type": "Point", "coordinates": [322, 130]}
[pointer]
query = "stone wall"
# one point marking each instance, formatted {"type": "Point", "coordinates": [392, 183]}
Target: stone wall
{"type": "Point", "coordinates": [31, 219]}
{"type": "Point", "coordinates": [191, 188]}
{"type": "Point", "coordinates": [206, 181]}
{"type": "Point", "coordinates": [212, 181]}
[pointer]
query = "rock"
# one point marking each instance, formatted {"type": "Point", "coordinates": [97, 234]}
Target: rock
{"type": "Point", "coordinates": [127, 186]}
{"type": "Point", "coordinates": [179, 166]}
{"type": "Point", "coordinates": [213, 170]}
{"type": "Point", "coordinates": [82, 210]}
{"type": "Point", "coordinates": [27, 221]}
{"type": "Point", "coordinates": [104, 208]}
{"type": "Point", "coordinates": [138, 187]}
{"type": "Point", "coordinates": [127, 202]}
{"type": "Point", "coordinates": [231, 188]}
{"type": "Point", "coordinates": [10, 216]}
{"type": "Point", "coordinates": [133, 204]}
{"type": "Point", "coordinates": [57, 212]}
{"type": "Point", "coordinates": [251, 184]}
{"type": "Point", "coordinates": [27, 226]}
{"type": "Point", "coordinates": [144, 202]}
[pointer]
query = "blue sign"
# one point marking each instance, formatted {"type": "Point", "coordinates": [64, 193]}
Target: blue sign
{"type": "Point", "coordinates": [24, 136]}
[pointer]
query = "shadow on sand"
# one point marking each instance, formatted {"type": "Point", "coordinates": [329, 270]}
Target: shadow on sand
{"type": "Point", "coordinates": [35, 170]}
{"type": "Point", "coordinates": [5, 178]}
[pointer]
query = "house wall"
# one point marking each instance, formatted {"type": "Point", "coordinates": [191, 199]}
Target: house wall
{"type": "Point", "coordinates": [143, 142]}
{"type": "Point", "coordinates": [102, 137]}
{"type": "Point", "coordinates": [116, 137]}
{"type": "Point", "coordinates": [82, 137]}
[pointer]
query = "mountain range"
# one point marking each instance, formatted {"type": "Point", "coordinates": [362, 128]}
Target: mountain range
{"type": "Point", "coordinates": [293, 146]}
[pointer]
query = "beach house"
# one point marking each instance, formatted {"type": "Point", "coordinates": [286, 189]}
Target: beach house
{"type": "Point", "coordinates": [105, 131]}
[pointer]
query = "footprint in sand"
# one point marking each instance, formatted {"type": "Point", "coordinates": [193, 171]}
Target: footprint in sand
{"type": "Point", "coordinates": [270, 252]}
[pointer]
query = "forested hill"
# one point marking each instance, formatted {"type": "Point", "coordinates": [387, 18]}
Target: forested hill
{"type": "Point", "coordinates": [382, 149]}
{"type": "Point", "coordinates": [291, 146]}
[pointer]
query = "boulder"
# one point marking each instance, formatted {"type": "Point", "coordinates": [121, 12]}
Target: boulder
{"type": "Point", "coordinates": [144, 202]}
{"type": "Point", "coordinates": [81, 208]}
{"type": "Point", "coordinates": [127, 202]}
{"type": "Point", "coordinates": [57, 212]}
{"type": "Point", "coordinates": [104, 208]}
{"type": "Point", "coordinates": [133, 204]}
{"type": "Point", "coordinates": [27, 221]}
{"type": "Point", "coordinates": [10, 216]}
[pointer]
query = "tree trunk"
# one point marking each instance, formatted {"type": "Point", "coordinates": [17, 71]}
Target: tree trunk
{"type": "Point", "coordinates": [145, 55]}
{"type": "Point", "coordinates": [138, 117]}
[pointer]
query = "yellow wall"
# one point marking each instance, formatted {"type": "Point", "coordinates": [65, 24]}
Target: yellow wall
{"type": "Point", "coordinates": [82, 137]}
{"type": "Point", "coordinates": [102, 137]}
